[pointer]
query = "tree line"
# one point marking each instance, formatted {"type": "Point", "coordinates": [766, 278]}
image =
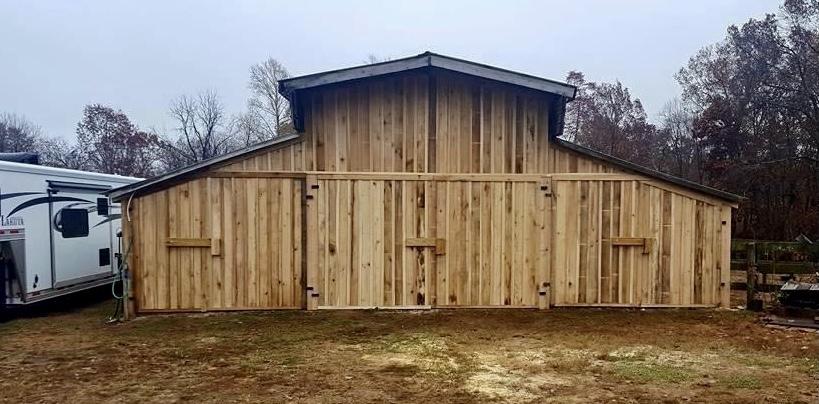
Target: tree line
{"type": "Point", "coordinates": [747, 122]}
{"type": "Point", "coordinates": [107, 141]}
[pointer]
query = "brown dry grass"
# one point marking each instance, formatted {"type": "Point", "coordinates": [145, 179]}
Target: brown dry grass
{"type": "Point", "coordinates": [451, 356]}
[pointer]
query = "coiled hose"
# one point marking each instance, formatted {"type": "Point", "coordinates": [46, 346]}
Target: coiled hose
{"type": "Point", "coordinates": [122, 269]}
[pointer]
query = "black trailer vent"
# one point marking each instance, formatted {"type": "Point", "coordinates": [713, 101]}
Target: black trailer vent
{"type": "Point", "coordinates": [105, 257]}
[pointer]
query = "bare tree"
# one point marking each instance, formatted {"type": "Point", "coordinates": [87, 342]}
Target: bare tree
{"type": "Point", "coordinates": [112, 144]}
{"type": "Point", "coordinates": [60, 153]}
{"type": "Point", "coordinates": [17, 134]}
{"type": "Point", "coordinates": [681, 152]}
{"type": "Point", "coordinates": [268, 113]}
{"type": "Point", "coordinates": [203, 130]}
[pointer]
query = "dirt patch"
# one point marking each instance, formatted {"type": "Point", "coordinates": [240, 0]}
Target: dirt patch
{"type": "Point", "coordinates": [451, 356]}
{"type": "Point", "coordinates": [499, 382]}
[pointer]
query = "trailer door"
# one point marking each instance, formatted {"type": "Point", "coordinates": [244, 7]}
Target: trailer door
{"type": "Point", "coordinates": [80, 235]}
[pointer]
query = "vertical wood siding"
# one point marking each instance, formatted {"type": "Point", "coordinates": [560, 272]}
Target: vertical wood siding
{"type": "Point", "coordinates": [503, 238]}
{"type": "Point", "coordinates": [386, 125]}
{"type": "Point", "coordinates": [686, 261]}
{"type": "Point", "coordinates": [494, 234]}
{"type": "Point", "coordinates": [257, 223]}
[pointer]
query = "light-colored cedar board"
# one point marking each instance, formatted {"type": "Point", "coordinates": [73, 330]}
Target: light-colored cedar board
{"type": "Point", "coordinates": [628, 241]}
{"type": "Point", "coordinates": [215, 247]}
{"type": "Point", "coordinates": [420, 242]}
{"type": "Point", "coordinates": [213, 309]}
{"type": "Point", "coordinates": [485, 307]}
{"type": "Point", "coordinates": [188, 242]}
{"type": "Point", "coordinates": [647, 306]}
{"type": "Point", "coordinates": [422, 307]}
{"type": "Point", "coordinates": [498, 156]}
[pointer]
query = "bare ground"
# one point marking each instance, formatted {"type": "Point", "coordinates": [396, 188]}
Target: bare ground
{"type": "Point", "coordinates": [451, 356]}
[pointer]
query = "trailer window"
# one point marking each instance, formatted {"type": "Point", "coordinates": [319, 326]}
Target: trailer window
{"type": "Point", "coordinates": [73, 223]}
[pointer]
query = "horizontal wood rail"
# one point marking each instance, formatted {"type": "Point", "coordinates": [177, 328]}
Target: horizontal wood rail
{"type": "Point", "coordinates": [646, 243]}
{"type": "Point", "coordinates": [422, 307]}
{"type": "Point", "coordinates": [438, 243]}
{"type": "Point", "coordinates": [214, 244]}
{"type": "Point", "coordinates": [376, 176]}
{"type": "Point", "coordinates": [639, 305]}
{"type": "Point", "coordinates": [595, 177]}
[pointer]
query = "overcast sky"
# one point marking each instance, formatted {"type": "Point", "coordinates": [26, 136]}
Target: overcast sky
{"type": "Point", "coordinates": [56, 56]}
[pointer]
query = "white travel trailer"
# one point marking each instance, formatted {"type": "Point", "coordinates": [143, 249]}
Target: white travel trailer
{"type": "Point", "coordinates": [58, 233]}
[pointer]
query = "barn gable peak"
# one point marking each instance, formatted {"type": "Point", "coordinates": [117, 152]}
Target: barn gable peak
{"type": "Point", "coordinates": [423, 61]}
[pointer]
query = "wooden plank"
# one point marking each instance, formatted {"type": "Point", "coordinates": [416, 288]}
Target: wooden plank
{"type": "Point", "coordinates": [216, 218]}
{"type": "Point", "coordinates": [271, 174]}
{"type": "Point", "coordinates": [606, 247]}
{"type": "Point", "coordinates": [263, 235]}
{"type": "Point", "coordinates": [725, 256]}
{"type": "Point", "coordinates": [147, 280]}
{"type": "Point", "coordinates": [388, 217]}
{"type": "Point", "coordinates": [420, 241]}
{"type": "Point", "coordinates": [341, 282]}
{"type": "Point", "coordinates": [666, 237]}
{"type": "Point", "coordinates": [583, 241]}
{"type": "Point", "coordinates": [628, 241]}
{"type": "Point", "coordinates": [634, 305]}
{"type": "Point", "coordinates": [388, 308]}
{"type": "Point", "coordinates": [448, 177]}
{"type": "Point", "coordinates": [290, 288]}
{"type": "Point", "coordinates": [594, 177]}
{"type": "Point", "coordinates": [228, 262]}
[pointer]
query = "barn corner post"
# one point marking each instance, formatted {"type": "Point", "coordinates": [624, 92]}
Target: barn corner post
{"type": "Point", "coordinates": [310, 234]}
{"type": "Point", "coordinates": [725, 274]}
{"type": "Point", "coordinates": [129, 259]}
{"type": "Point", "coordinates": [545, 268]}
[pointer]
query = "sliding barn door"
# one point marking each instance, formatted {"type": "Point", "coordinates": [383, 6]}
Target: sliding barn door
{"type": "Point", "coordinates": [219, 244]}
{"type": "Point", "coordinates": [426, 240]}
{"type": "Point", "coordinates": [637, 243]}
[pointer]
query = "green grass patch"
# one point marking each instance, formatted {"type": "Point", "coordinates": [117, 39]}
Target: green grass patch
{"type": "Point", "coordinates": [741, 382]}
{"type": "Point", "coordinates": [652, 373]}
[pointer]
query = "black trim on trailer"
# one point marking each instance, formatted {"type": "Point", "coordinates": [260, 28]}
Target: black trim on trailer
{"type": "Point", "coordinates": [58, 186]}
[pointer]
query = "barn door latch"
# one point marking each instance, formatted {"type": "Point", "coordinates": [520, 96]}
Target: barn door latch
{"type": "Point", "coordinates": [646, 242]}
{"type": "Point", "coordinates": [438, 244]}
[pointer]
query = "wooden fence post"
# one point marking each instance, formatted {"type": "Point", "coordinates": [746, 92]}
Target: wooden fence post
{"type": "Point", "coordinates": [750, 263]}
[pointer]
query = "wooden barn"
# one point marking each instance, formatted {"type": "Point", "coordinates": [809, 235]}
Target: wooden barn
{"type": "Point", "coordinates": [423, 182]}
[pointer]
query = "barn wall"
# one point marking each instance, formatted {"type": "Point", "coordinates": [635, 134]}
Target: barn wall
{"type": "Point", "coordinates": [255, 262]}
{"type": "Point", "coordinates": [369, 232]}
{"type": "Point", "coordinates": [685, 263]}
{"type": "Point", "coordinates": [439, 127]}
{"type": "Point", "coordinates": [384, 125]}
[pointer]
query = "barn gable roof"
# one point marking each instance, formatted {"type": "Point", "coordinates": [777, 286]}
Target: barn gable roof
{"type": "Point", "coordinates": [636, 168]}
{"type": "Point", "coordinates": [182, 174]}
{"type": "Point", "coordinates": [426, 60]}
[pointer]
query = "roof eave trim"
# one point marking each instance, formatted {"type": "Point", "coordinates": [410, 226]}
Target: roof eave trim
{"type": "Point", "coordinates": [337, 76]}
{"type": "Point", "coordinates": [502, 75]}
{"type": "Point", "coordinates": [428, 59]}
{"type": "Point", "coordinates": [720, 194]}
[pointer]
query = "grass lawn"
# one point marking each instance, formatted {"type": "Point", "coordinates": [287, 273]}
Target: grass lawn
{"type": "Point", "coordinates": [446, 356]}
